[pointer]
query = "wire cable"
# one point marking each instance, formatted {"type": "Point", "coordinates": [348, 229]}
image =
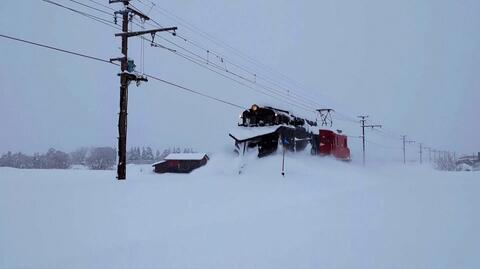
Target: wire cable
{"type": "Point", "coordinates": [108, 62]}
{"type": "Point", "coordinates": [93, 17]}
{"type": "Point", "coordinates": [94, 8]}
{"type": "Point", "coordinates": [57, 49]}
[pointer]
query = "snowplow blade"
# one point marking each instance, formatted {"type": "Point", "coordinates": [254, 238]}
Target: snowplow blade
{"type": "Point", "coordinates": [266, 139]}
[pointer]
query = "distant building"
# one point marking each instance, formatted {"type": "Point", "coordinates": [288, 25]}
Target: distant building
{"type": "Point", "coordinates": [180, 163]}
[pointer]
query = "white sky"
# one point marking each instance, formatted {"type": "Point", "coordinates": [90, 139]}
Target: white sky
{"type": "Point", "coordinates": [411, 65]}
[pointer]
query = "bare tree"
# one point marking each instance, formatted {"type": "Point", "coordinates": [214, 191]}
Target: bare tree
{"type": "Point", "coordinates": [445, 162]}
{"type": "Point", "coordinates": [101, 158]}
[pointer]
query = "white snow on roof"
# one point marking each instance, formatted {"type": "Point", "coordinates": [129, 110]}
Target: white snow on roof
{"type": "Point", "coordinates": [185, 156]}
{"type": "Point", "coordinates": [242, 133]}
{"type": "Point", "coordinates": [153, 164]}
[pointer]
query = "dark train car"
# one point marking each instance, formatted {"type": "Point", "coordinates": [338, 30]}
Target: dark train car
{"type": "Point", "coordinates": [328, 142]}
{"type": "Point", "coordinates": [265, 128]}
{"type": "Point", "coordinates": [272, 127]}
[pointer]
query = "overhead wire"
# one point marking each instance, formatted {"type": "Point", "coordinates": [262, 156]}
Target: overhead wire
{"type": "Point", "coordinates": [93, 17]}
{"type": "Point", "coordinates": [218, 55]}
{"type": "Point", "coordinates": [56, 49]}
{"type": "Point", "coordinates": [205, 63]}
{"type": "Point", "coordinates": [220, 43]}
{"type": "Point", "coordinates": [102, 5]}
{"type": "Point", "coordinates": [186, 89]}
{"type": "Point", "coordinates": [291, 102]}
{"type": "Point", "coordinates": [88, 6]}
{"type": "Point", "coordinates": [202, 61]}
{"type": "Point", "coordinates": [106, 22]}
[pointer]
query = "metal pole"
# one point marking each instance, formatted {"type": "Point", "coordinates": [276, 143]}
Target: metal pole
{"type": "Point", "coordinates": [421, 153]}
{"type": "Point", "coordinates": [283, 161]}
{"type": "Point", "coordinates": [362, 121]}
{"type": "Point", "coordinates": [363, 140]}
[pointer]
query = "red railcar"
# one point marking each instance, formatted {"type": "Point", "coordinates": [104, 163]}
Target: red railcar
{"type": "Point", "coordinates": [330, 143]}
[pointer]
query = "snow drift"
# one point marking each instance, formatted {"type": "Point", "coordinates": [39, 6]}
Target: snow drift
{"type": "Point", "coordinates": [323, 214]}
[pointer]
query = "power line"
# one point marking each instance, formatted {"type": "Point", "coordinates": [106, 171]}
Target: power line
{"type": "Point", "coordinates": [88, 6]}
{"type": "Point", "coordinates": [201, 61]}
{"type": "Point", "coordinates": [56, 49]}
{"type": "Point", "coordinates": [206, 63]}
{"type": "Point", "coordinates": [108, 62]}
{"type": "Point", "coordinates": [102, 5]}
{"type": "Point", "coordinates": [153, 77]}
{"type": "Point", "coordinates": [218, 55]}
{"type": "Point", "coordinates": [273, 91]}
{"type": "Point", "coordinates": [220, 43]}
{"type": "Point", "coordinates": [93, 17]}
{"type": "Point", "coordinates": [219, 68]}
{"type": "Point", "coordinates": [381, 145]}
{"type": "Point", "coordinates": [195, 92]}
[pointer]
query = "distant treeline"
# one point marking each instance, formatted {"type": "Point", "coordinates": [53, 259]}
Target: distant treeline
{"type": "Point", "coordinates": [145, 154]}
{"type": "Point", "coordinates": [95, 158]}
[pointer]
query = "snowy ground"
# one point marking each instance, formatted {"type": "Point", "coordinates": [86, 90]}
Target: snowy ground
{"type": "Point", "coordinates": [323, 214]}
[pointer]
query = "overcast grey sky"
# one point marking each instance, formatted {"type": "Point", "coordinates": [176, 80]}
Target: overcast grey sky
{"type": "Point", "coordinates": [410, 65]}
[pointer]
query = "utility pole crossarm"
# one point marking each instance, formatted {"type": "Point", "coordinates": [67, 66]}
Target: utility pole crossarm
{"type": "Point", "coordinates": [125, 2]}
{"type": "Point", "coordinates": [137, 33]}
{"type": "Point", "coordinates": [139, 14]}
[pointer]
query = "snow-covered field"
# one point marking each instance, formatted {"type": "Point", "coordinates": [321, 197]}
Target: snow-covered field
{"type": "Point", "coordinates": [323, 214]}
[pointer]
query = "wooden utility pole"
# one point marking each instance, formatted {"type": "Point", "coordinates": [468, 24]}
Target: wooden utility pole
{"type": "Point", "coordinates": [127, 74]}
{"type": "Point", "coordinates": [362, 121]}
{"type": "Point", "coordinates": [429, 153]}
{"type": "Point", "coordinates": [405, 142]}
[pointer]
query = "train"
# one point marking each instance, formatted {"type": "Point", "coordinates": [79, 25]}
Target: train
{"type": "Point", "coordinates": [265, 128]}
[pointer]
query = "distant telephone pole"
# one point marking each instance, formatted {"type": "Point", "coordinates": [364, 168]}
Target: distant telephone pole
{"type": "Point", "coordinates": [421, 151]}
{"type": "Point", "coordinates": [429, 153]}
{"type": "Point", "coordinates": [362, 121]}
{"type": "Point", "coordinates": [127, 74]}
{"type": "Point", "coordinates": [434, 155]}
{"type": "Point", "coordinates": [404, 143]}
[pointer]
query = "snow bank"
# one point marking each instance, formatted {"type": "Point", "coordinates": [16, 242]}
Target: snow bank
{"type": "Point", "coordinates": [323, 214]}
